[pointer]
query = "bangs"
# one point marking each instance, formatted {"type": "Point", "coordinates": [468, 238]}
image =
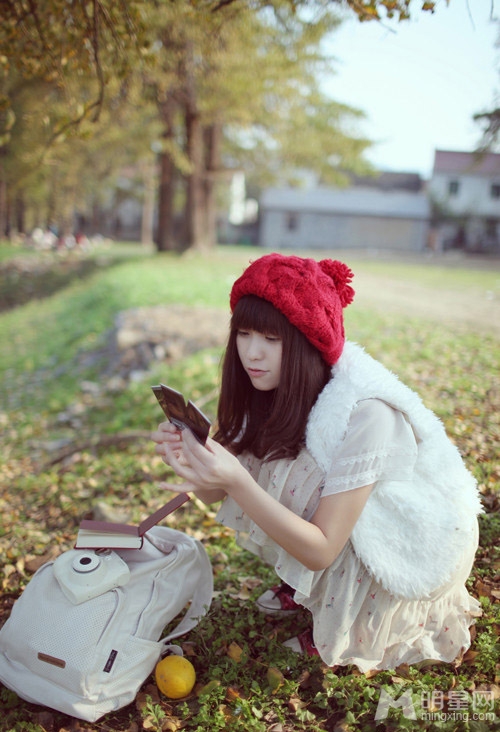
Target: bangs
{"type": "Point", "coordinates": [255, 313]}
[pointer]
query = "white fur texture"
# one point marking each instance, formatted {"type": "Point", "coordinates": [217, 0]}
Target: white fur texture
{"type": "Point", "coordinates": [410, 536]}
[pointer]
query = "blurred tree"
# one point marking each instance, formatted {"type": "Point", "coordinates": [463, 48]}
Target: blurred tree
{"type": "Point", "coordinates": [211, 67]}
{"type": "Point", "coordinates": [57, 59]}
{"type": "Point", "coordinates": [236, 89]}
{"type": "Point", "coordinates": [490, 123]}
{"type": "Point", "coordinates": [54, 40]}
{"type": "Point", "coordinates": [111, 158]}
{"type": "Point", "coordinates": [366, 10]}
{"type": "Point", "coordinates": [489, 119]}
{"type": "Point", "coordinates": [75, 172]}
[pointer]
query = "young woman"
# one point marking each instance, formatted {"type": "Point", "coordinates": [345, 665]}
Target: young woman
{"type": "Point", "coordinates": [333, 471]}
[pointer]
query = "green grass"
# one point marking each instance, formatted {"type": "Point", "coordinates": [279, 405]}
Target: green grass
{"type": "Point", "coordinates": [435, 275]}
{"type": "Point", "coordinates": [44, 336]}
{"type": "Point", "coordinates": [42, 501]}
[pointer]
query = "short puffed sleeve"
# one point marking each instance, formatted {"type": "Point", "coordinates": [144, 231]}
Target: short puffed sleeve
{"type": "Point", "coordinates": [379, 444]}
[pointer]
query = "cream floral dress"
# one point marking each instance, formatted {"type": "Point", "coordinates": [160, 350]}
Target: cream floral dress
{"type": "Point", "coordinates": [357, 621]}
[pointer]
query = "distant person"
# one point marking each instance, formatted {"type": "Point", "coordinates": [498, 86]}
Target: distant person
{"type": "Point", "coordinates": [334, 472]}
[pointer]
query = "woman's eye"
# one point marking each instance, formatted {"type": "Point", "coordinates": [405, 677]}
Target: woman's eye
{"type": "Point", "coordinates": [242, 332]}
{"type": "Point", "coordinates": [273, 339]}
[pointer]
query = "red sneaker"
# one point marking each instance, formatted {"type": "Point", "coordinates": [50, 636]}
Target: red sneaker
{"type": "Point", "coordinates": [278, 601]}
{"type": "Point", "coordinates": [303, 643]}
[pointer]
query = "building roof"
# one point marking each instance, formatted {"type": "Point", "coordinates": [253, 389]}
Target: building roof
{"type": "Point", "coordinates": [348, 201]}
{"type": "Point", "coordinates": [451, 162]}
{"type": "Point", "coordinates": [390, 181]}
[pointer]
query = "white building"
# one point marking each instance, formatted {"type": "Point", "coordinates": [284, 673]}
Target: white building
{"type": "Point", "coordinates": [356, 217]}
{"type": "Point", "coordinates": [465, 192]}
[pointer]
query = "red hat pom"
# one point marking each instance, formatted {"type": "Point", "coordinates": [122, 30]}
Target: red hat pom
{"type": "Point", "coordinates": [341, 275]}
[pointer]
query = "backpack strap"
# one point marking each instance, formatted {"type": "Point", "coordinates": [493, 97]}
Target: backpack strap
{"type": "Point", "coordinates": [200, 601]}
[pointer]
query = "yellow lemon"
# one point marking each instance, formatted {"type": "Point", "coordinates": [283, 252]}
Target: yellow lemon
{"type": "Point", "coordinates": [175, 676]}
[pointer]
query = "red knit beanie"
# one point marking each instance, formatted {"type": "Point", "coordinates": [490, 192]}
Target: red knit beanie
{"type": "Point", "coordinates": [310, 294]}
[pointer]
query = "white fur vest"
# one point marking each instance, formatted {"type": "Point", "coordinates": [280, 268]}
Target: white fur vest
{"type": "Point", "coordinates": [410, 536]}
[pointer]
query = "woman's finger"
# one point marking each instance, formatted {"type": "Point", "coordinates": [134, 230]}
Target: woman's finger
{"type": "Point", "coordinates": [176, 487]}
{"type": "Point", "coordinates": [166, 431]}
{"type": "Point", "coordinates": [176, 450]}
{"type": "Point", "coordinates": [199, 456]}
{"type": "Point", "coordinates": [179, 463]}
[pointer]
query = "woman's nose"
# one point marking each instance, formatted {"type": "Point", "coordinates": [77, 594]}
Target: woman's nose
{"type": "Point", "coordinates": [254, 348]}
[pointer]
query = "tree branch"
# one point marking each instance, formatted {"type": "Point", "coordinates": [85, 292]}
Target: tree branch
{"type": "Point", "coordinates": [96, 443]}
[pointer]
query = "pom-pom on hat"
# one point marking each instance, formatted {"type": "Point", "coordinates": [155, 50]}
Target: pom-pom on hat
{"type": "Point", "coordinates": [310, 294]}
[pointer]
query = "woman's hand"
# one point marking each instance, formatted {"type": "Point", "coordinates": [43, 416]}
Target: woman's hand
{"type": "Point", "coordinates": [168, 434]}
{"type": "Point", "coordinates": [207, 470]}
{"type": "Point", "coordinates": [207, 467]}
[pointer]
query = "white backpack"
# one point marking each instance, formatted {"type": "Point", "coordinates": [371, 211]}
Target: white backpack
{"type": "Point", "coordinates": [84, 634]}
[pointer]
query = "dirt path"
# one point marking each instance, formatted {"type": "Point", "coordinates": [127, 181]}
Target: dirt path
{"type": "Point", "coordinates": [476, 310]}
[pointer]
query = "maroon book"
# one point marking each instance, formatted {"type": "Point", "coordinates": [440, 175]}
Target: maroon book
{"type": "Point", "coordinates": [107, 535]}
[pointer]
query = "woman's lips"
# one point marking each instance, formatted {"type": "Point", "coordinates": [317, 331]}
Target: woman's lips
{"type": "Point", "coordinates": [256, 372]}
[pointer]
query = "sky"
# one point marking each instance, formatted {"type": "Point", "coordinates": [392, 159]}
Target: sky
{"type": "Point", "coordinates": [419, 82]}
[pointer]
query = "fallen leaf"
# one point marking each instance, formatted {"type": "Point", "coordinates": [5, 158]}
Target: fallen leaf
{"type": "Point", "coordinates": [187, 649]}
{"type": "Point", "coordinates": [171, 724]}
{"type": "Point", "coordinates": [34, 562]}
{"type": "Point", "coordinates": [403, 670]}
{"type": "Point", "coordinates": [470, 657]}
{"type": "Point", "coordinates": [304, 678]}
{"type": "Point", "coordinates": [295, 703]}
{"type": "Point", "coordinates": [232, 694]}
{"type": "Point", "coordinates": [399, 680]}
{"type": "Point", "coordinates": [275, 678]}
{"type": "Point", "coordinates": [133, 727]}
{"type": "Point", "coordinates": [208, 688]}
{"type": "Point", "coordinates": [46, 720]}
{"type": "Point", "coordinates": [482, 589]}
{"type": "Point", "coordinates": [342, 726]}
{"type": "Point", "coordinates": [372, 673]}
{"type": "Point", "coordinates": [235, 652]}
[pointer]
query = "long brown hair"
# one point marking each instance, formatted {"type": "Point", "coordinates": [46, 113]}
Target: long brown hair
{"type": "Point", "coordinates": [270, 424]}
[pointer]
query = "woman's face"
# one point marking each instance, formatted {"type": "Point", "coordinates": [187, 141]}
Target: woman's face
{"type": "Point", "coordinates": [260, 356]}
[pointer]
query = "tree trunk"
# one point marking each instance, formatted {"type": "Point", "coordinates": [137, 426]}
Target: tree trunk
{"type": "Point", "coordinates": [165, 240]}
{"type": "Point", "coordinates": [212, 164]}
{"type": "Point", "coordinates": [20, 214]}
{"type": "Point", "coordinates": [52, 205]}
{"type": "Point", "coordinates": [148, 176]}
{"type": "Point", "coordinates": [3, 200]}
{"type": "Point", "coordinates": [195, 234]}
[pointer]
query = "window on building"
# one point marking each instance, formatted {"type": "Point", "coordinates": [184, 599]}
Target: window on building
{"type": "Point", "coordinates": [292, 221]}
{"type": "Point", "coordinates": [453, 187]}
{"type": "Point", "coordinates": [495, 190]}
